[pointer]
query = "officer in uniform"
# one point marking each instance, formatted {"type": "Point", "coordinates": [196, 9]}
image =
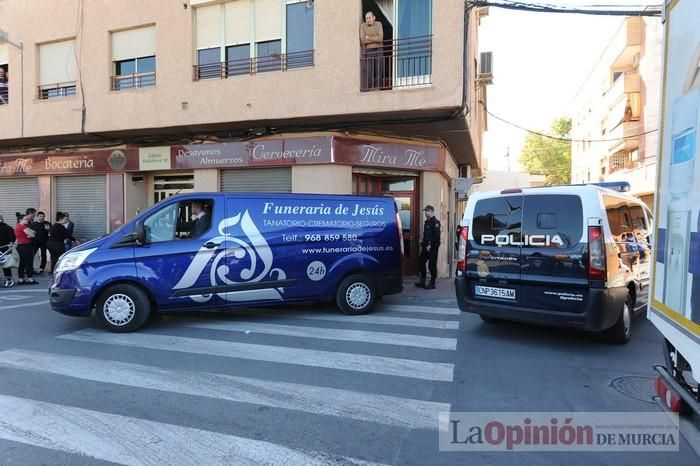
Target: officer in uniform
{"type": "Point", "coordinates": [429, 248]}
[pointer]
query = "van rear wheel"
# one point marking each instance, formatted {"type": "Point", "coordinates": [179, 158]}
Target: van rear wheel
{"type": "Point", "coordinates": [123, 308]}
{"type": "Point", "coordinates": [621, 332]}
{"type": "Point", "coordinates": [356, 295]}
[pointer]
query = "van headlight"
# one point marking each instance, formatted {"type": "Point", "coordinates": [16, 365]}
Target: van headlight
{"type": "Point", "coordinates": [73, 260]}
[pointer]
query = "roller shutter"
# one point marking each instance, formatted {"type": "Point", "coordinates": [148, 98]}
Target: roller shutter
{"type": "Point", "coordinates": [85, 199]}
{"type": "Point", "coordinates": [259, 180]}
{"type": "Point", "coordinates": [17, 195]}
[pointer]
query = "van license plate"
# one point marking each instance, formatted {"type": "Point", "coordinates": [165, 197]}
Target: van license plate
{"type": "Point", "coordinates": [491, 292]}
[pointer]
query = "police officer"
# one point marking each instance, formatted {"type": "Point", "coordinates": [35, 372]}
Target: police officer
{"type": "Point", "coordinates": [429, 248]}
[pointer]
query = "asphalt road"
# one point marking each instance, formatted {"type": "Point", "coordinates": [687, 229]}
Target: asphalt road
{"type": "Point", "coordinates": [301, 385]}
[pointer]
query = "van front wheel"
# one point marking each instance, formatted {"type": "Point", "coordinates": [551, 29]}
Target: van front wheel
{"type": "Point", "coordinates": [356, 295]}
{"type": "Point", "coordinates": [123, 308]}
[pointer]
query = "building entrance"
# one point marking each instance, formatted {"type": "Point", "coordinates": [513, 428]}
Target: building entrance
{"type": "Point", "coordinates": [404, 190]}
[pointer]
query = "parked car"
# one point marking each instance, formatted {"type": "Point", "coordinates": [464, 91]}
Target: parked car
{"type": "Point", "coordinates": [252, 250]}
{"type": "Point", "coordinates": [565, 256]}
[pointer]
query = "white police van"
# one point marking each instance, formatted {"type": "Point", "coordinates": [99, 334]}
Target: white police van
{"type": "Point", "coordinates": [568, 256]}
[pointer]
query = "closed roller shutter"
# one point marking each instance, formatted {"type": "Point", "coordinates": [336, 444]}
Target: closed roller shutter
{"type": "Point", "coordinates": [17, 195]}
{"type": "Point", "coordinates": [259, 180]}
{"type": "Point", "coordinates": [85, 199]}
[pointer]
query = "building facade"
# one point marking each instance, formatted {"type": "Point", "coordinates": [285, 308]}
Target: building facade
{"type": "Point", "coordinates": [112, 106]}
{"type": "Point", "coordinates": [617, 111]}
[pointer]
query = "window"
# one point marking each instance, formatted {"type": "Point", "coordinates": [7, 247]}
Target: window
{"type": "Point", "coordinates": [634, 102]}
{"type": "Point", "coordinates": [57, 70]}
{"type": "Point", "coordinates": [551, 214]}
{"type": "Point", "coordinates": [300, 34]}
{"type": "Point", "coordinates": [629, 226]}
{"type": "Point", "coordinates": [415, 18]}
{"type": "Point", "coordinates": [497, 216]}
{"type": "Point", "coordinates": [269, 56]}
{"type": "Point", "coordinates": [4, 89]}
{"type": "Point", "coordinates": [253, 36]}
{"type": "Point", "coordinates": [179, 221]}
{"type": "Point", "coordinates": [238, 59]}
{"type": "Point", "coordinates": [134, 58]}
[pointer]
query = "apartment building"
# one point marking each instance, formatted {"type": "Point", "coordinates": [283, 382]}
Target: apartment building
{"type": "Point", "coordinates": [112, 106]}
{"type": "Point", "coordinates": [617, 111]}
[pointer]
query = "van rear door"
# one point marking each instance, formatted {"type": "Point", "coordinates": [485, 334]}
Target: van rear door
{"type": "Point", "coordinates": [554, 272]}
{"type": "Point", "coordinates": [493, 258]}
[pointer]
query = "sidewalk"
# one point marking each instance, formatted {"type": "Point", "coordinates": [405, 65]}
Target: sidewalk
{"type": "Point", "coordinates": [442, 296]}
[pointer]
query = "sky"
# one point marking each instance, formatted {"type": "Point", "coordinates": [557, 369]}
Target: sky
{"type": "Point", "coordinates": [540, 60]}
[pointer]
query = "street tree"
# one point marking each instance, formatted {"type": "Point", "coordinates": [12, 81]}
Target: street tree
{"type": "Point", "coordinates": [549, 154]}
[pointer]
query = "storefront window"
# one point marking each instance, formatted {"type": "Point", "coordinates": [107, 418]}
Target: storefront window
{"type": "Point", "coordinates": [404, 185]}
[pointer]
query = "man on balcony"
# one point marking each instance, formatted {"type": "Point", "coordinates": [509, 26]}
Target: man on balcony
{"type": "Point", "coordinates": [371, 40]}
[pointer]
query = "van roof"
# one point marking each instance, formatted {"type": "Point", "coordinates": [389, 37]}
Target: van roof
{"type": "Point", "coordinates": [558, 189]}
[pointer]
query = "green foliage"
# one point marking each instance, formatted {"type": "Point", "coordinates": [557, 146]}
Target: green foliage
{"type": "Point", "coordinates": [549, 157]}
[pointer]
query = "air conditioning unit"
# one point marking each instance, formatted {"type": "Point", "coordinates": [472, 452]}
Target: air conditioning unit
{"type": "Point", "coordinates": [486, 64]}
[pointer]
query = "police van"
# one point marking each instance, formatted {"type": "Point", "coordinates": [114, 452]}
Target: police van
{"type": "Point", "coordinates": [253, 249]}
{"type": "Point", "coordinates": [565, 256]}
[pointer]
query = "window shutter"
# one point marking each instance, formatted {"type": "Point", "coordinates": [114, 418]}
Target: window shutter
{"type": "Point", "coordinates": [134, 43]}
{"type": "Point", "coordinates": [4, 54]}
{"type": "Point", "coordinates": [238, 22]}
{"type": "Point", "coordinates": [268, 20]}
{"type": "Point", "coordinates": [57, 62]}
{"type": "Point", "coordinates": [208, 26]}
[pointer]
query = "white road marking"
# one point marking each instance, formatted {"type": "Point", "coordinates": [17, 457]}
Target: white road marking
{"type": "Point", "coordinates": [2, 308]}
{"type": "Point", "coordinates": [420, 309]}
{"type": "Point", "coordinates": [382, 409]}
{"type": "Point", "coordinates": [384, 338]}
{"type": "Point", "coordinates": [337, 317]}
{"type": "Point", "coordinates": [132, 441]}
{"type": "Point", "coordinates": [277, 354]}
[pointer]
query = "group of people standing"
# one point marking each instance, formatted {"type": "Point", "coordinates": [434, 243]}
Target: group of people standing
{"type": "Point", "coordinates": [33, 235]}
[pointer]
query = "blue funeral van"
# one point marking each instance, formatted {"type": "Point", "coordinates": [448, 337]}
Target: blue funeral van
{"type": "Point", "coordinates": [218, 250]}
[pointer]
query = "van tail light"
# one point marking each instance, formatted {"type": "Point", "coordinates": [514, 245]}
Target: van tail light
{"type": "Point", "coordinates": [400, 228]}
{"type": "Point", "coordinates": [462, 249]}
{"type": "Point", "coordinates": [596, 254]}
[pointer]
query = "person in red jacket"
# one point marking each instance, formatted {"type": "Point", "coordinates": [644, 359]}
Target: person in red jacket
{"type": "Point", "coordinates": [25, 248]}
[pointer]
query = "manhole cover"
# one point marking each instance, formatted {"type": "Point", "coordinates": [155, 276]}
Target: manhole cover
{"type": "Point", "coordinates": [639, 388]}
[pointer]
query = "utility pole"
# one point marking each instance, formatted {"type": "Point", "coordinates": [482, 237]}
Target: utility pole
{"type": "Point", "coordinates": [508, 157]}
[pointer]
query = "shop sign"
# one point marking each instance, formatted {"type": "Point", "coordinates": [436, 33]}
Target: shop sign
{"type": "Point", "coordinates": [154, 158]}
{"type": "Point", "coordinates": [100, 161]}
{"type": "Point", "coordinates": [269, 152]}
{"type": "Point", "coordinates": [386, 154]}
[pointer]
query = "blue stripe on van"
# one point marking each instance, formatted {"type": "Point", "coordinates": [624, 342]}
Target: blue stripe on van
{"type": "Point", "coordinates": [694, 265]}
{"type": "Point", "coordinates": [661, 242]}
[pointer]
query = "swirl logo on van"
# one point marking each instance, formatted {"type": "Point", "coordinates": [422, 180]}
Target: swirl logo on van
{"type": "Point", "coordinates": [240, 261]}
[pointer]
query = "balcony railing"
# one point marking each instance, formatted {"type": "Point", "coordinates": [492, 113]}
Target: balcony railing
{"type": "Point", "coordinates": [280, 62]}
{"type": "Point", "coordinates": [133, 81]}
{"type": "Point", "coordinates": [397, 63]}
{"type": "Point", "coordinates": [56, 91]}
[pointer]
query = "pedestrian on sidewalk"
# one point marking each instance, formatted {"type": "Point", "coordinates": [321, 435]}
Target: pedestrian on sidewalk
{"type": "Point", "coordinates": [25, 248]}
{"type": "Point", "coordinates": [69, 225]}
{"type": "Point", "coordinates": [7, 239]}
{"type": "Point", "coordinates": [58, 238]}
{"type": "Point", "coordinates": [42, 228]}
{"type": "Point", "coordinates": [429, 249]}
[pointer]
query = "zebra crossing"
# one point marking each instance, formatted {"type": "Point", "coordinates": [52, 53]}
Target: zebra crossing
{"type": "Point", "coordinates": [374, 375]}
